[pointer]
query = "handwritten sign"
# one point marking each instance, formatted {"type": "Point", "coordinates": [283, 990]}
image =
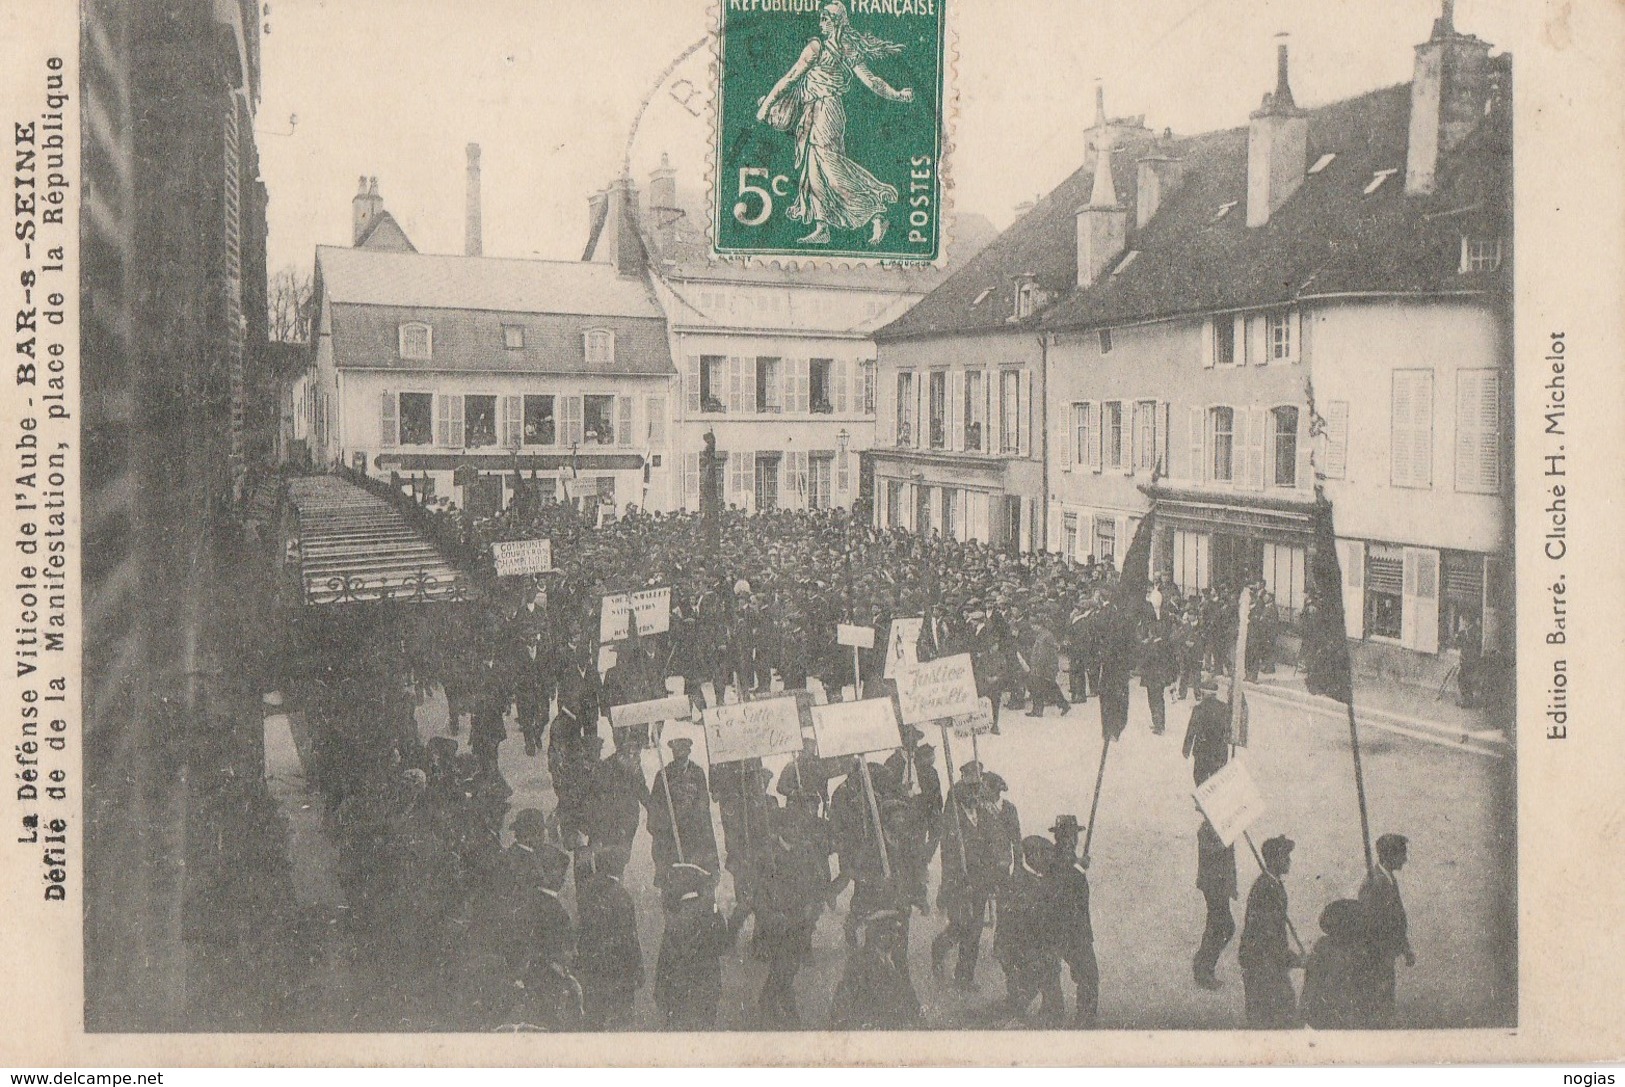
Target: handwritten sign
{"type": "Point", "coordinates": [856, 728]}
{"type": "Point", "coordinates": [902, 645]}
{"type": "Point", "coordinates": [516, 557]}
{"type": "Point", "coordinates": [937, 689]}
{"type": "Point", "coordinates": [980, 723]}
{"type": "Point", "coordinates": [653, 609]}
{"type": "Point", "coordinates": [1230, 801]}
{"type": "Point", "coordinates": [675, 707]}
{"type": "Point", "coordinates": [750, 730]}
{"type": "Point", "coordinates": [860, 637]}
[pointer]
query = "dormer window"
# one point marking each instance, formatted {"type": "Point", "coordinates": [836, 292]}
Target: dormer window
{"type": "Point", "coordinates": [1224, 209]}
{"type": "Point", "coordinates": [600, 345]}
{"type": "Point", "coordinates": [416, 341]}
{"type": "Point", "coordinates": [1480, 255]}
{"type": "Point", "coordinates": [1377, 179]}
{"type": "Point", "coordinates": [1322, 162]}
{"type": "Point", "coordinates": [513, 337]}
{"type": "Point", "coordinates": [1026, 299]}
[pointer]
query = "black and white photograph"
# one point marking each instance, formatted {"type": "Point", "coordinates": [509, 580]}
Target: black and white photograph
{"type": "Point", "coordinates": [505, 609]}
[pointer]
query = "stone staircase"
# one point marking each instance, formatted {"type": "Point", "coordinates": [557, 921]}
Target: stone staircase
{"type": "Point", "coordinates": [354, 546]}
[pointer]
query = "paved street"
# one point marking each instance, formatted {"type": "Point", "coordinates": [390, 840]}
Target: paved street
{"type": "Point", "coordinates": [1458, 888]}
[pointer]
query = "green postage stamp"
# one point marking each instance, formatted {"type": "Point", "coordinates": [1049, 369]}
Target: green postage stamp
{"type": "Point", "coordinates": [829, 129]}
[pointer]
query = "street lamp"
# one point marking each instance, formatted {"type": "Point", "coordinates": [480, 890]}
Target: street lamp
{"type": "Point", "coordinates": [841, 439]}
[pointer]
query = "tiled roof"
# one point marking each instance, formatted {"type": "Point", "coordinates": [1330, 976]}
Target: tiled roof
{"type": "Point", "coordinates": [1331, 237]}
{"type": "Point", "coordinates": [367, 336]}
{"type": "Point", "coordinates": [480, 283]}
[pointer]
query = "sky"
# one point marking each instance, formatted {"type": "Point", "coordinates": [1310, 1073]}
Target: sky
{"type": "Point", "coordinates": [558, 93]}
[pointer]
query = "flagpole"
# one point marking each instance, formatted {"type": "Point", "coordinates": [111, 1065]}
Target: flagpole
{"type": "Point", "coordinates": [1094, 805]}
{"type": "Point", "coordinates": [1359, 779]}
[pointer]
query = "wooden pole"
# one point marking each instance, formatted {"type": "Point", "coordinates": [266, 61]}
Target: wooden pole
{"type": "Point", "coordinates": [671, 808]}
{"type": "Point", "coordinates": [948, 798]}
{"type": "Point", "coordinates": [857, 675]}
{"type": "Point", "coordinates": [874, 810]}
{"type": "Point", "coordinates": [1359, 781]}
{"type": "Point", "coordinates": [1259, 857]}
{"type": "Point", "coordinates": [1094, 805]}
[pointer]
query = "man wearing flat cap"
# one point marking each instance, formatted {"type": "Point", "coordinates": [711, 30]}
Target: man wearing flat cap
{"type": "Point", "coordinates": [680, 814]}
{"type": "Point", "coordinates": [1267, 960]}
{"type": "Point", "coordinates": [1388, 929]}
{"type": "Point", "coordinates": [1207, 737]}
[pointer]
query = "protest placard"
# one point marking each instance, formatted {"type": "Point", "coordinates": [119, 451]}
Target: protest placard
{"type": "Point", "coordinates": [1230, 801]}
{"type": "Point", "coordinates": [937, 689]}
{"type": "Point", "coordinates": [653, 608]}
{"type": "Point", "coordinates": [750, 730]}
{"type": "Point", "coordinates": [979, 723]}
{"type": "Point", "coordinates": [516, 557]}
{"type": "Point", "coordinates": [675, 707]}
{"type": "Point", "coordinates": [856, 728]}
{"type": "Point", "coordinates": [856, 636]}
{"type": "Point", "coordinates": [902, 645]}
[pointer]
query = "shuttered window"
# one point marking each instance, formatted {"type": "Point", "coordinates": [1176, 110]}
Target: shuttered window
{"type": "Point", "coordinates": [1145, 435]}
{"type": "Point", "coordinates": [513, 423]}
{"type": "Point", "coordinates": [1083, 433]}
{"type": "Point", "coordinates": [1221, 444]}
{"type": "Point", "coordinates": [654, 431]}
{"type": "Point", "coordinates": [386, 421]}
{"type": "Point", "coordinates": [451, 421]}
{"type": "Point", "coordinates": [1478, 431]}
{"type": "Point", "coordinates": [572, 420]}
{"type": "Point", "coordinates": [1411, 436]}
{"type": "Point", "coordinates": [1336, 459]}
{"type": "Point", "coordinates": [691, 481]}
{"type": "Point", "coordinates": [1111, 434]}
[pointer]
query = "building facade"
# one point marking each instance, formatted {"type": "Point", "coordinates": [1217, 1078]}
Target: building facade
{"type": "Point", "coordinates": [1316, 303]}
{"type": "Point", "coordinates": [777, 363]}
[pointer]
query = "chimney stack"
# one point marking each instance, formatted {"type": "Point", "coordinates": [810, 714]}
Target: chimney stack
{"type": "Point", "coordinates": [1449, 92]}
{"type": "Point", "coordinates": [473, 234]}
{"type": "Point", "coordinates": [364, 208]}
{"type": "Point", "coordinates": [1277, 147]}
{"type": "Point", "coordinates": [1159, 175]}
{"type": "Point", "coordinates": [1102, 224]}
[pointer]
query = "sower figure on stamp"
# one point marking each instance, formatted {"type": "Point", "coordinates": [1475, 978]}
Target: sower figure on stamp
{"type": "Point", "coordinates": [831, 189]}
{"type": "Point", "coordinates": [1267, 961]}
{"type": "Point", "coordinates": [1386, 925]}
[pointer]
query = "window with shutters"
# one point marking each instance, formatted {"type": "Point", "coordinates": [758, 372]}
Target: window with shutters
{"type": "Point", "coordinates": [598, 420]}
{"type": "Point", "coordinates": [1083, 433]}
{"type": "Point", "coordinates": [1335, 440]}
{"type": "Point", "coordinates": [654, 431]}
{"type": "Point", "coordinates": [843, 475]}
{"type": "Point", "coordinates": [691, 481]}
{"type": "Point", "coordinates": [1069, 535]}
{"type": "Point", "coordinates": [820, 386]}
{"type": "Point", "coordinates": [1278, 336]}
{"type": "Point", "coordinates": [1384, 590]}
{"type": "Point", "coordinates": [1145, 435]}
{"type": "Point", "coordinates": [1223, 331]}
{"type": "Point", "coordinates": [975, 412]}
{"type": "Point", "coordinates": [513, 430]}
{"type": "Point", "coordinates": [1411, 434]}
{"type": "Point", "coordinates": [769, 371]}
{"type": "Point", "coordinates": [623, 420]}
{"type": "Point", "coordinates": [1105, 539]}
{"type": "Point", "coordinates": [1009, 411]}
{"type": "Point", "coordinates": [572, 420]}
{"type": "Point", "coordinates": [937, 398]}
{"type": "Point", "coordinates": [1478, 431]}
{"type": "Point", "coordinates": [866, 386]}
{"type": "Point", "coordinates": [713, 384]}
{"type": "Point", "coordinates": [1284, 442]}
{"type": "Point", "coordinates": [451, 421]}
{"type": "Point", "coordinates": [513, 337]}
{"type": "Point", "coordinates": [416, 341]}
{"type": "Point", "coordinates": [416, 419]}
{"type": "Point", "coordinates": [1111, 434]}
{"type": "Point", "coordinates": [820, 479]}
{"type": "Point", "coordinates": [1221, 443]}
{"type": "Point", "coordinates": [599, 345]}
{"type": "Point", "coordinates": [541, 420]}
{"type": "Point", "coordinates": [767, 482]}
{"type": "Point", "coordinates": [905, 407]}
{"type": "Point", "coordinates": [480, 420]}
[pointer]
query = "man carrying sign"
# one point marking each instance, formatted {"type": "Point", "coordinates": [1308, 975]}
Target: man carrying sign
{"type": "Point", "coordinates": [680, 815]}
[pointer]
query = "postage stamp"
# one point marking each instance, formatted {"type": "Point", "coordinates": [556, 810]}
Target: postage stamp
{"type": "Point", "coordinates": [829, 139]}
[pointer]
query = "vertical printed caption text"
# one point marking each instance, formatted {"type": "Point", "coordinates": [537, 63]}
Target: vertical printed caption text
{"type": "Point", "coordinates": [1555, 542]}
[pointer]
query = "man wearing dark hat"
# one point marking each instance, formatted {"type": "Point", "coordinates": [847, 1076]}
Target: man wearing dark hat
{"type": "Point", "coordinates": [1207, 737]}
{"type": "Point", "coordinates": [1387, 927]}
{"type": "Point", "coordinates": [533, 675]}
{"type": "Point", "coordinates": [1216, 879]}
{"type": "Point", "coordinates": [1074, 928]}
{"type": "Point", "coordinates": [975, 860]}
{"type": "Point", "coordinates": [874, 992]}
{"type": "Point", "coordinates": [1040, 660]}
{"type": "Point", "coordinates": [679, 817]}
{"type": "Point", "coordinates": [1266, 959]}
{"type": "Point", "coordinates": [1157, 668]}
{"type": "Point", "coordinates": [794, 873]}
{"type": "Point", "coordinates": [543, 944]}
{"type": "Point", "coordinates": [609, 960]}
{"type": "Point", "coordinates": [1024, 939]}
{"type": "Point", "coordinates": [688, 974]}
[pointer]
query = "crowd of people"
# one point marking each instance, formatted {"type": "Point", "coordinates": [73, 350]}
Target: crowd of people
{"type": "Point", "coordinates": [754, 605]}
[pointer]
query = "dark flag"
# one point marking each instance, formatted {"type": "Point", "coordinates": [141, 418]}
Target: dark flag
{"type": "Point", "coordinates": [1121, 636]}
{"type": "Point", "coordinates": [1326, 647]}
